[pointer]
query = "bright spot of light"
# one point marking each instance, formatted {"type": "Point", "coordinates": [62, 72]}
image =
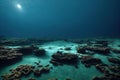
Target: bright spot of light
{"type": "Point", "coordinates": [19, 6]}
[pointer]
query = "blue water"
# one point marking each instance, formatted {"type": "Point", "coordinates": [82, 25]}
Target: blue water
{"type": "Point", "coordinates": [60, 18]}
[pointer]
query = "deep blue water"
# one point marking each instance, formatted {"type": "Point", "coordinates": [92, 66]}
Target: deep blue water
{"type": "Point", "coordinates": [60, 18]}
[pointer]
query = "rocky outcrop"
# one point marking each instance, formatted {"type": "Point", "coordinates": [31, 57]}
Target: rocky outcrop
{"type": "Point", "coordinates": [89, 60]}
{"type": "Point", "coordinates": [115, 50]}
{"type": "Point", "coordinates": [102, 68]}
{"type": "Point", "coordinates": [81, 50]}
{"type": "Point", "coordinates": [9, 55]}
{"type": "Point", "coordinates": [31, 79]}
{"type": "Point", "coordinates": [25, 70]}
{"type": "Point", "coordinates": [17, 73]}
{"type": "Point", "coordinates": [53, 79]}
{"type": "Point", "coordinates": [67, 48]}
{"type": "Point", "coordinates": [25, 50]}
{"type": "Point", "coordinates": [115, 68]}
{"type": "Point", "coordinates": [42, 70]}
{"type": "Point", "coordinates": [60, 58]}
{"type": "Point", "coordinates": [114, 60]}
{"type": "Point", "coordinates": [111, 76]}
{"type": "Point", "coordinates": [101, 50]}
{"type": "Point", "coordinates": [39, 52]}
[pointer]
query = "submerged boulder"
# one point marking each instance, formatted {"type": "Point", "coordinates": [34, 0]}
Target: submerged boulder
{"type": "Point", "coordinates": [81, 50]}
{"type": "Point", "coordinates": [111, 76]}
{"type": "Point", "coordinates": [114, 60]}
{"type": "Point", "coordinates": [102, 68]}
{"type": "Point", "coordinates": [31, 79]}
{"type": "Point", "coordinates": [42, 70]}
{"type": "Point", "coordinates": [115, 50]}
{"type": "Point", "coordinates": [25, 49]}
{"type": "Point", "coordinates": [67, 48]}
{"type": "Point", "coordinates": [39, 52]}
{"type": "Point", "coordinates": [59, 58]}
{"type": "Point", "coordinates": [115, 68]}
{"type": "Point", "coordinates": [100, 50]}
{"type": "Point", "coordinates": [17, 73]}
{"type": "Point", "coordinates": [9, 55]}
{"type": "Point", "coordinates": [89, 60]}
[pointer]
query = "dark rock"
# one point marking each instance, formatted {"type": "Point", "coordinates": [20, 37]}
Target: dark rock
{"type": "Point", "coordinates": [99, 78]}
{"type": "Point", "coordinates": [101, 50]}
{"type": "Point", "coordinates": [101, 68]}
{"type": "Point", "coordinates": [8, 56]}
{"type": "Point", "coordinates": [68, 79]}
{"type": "Point", "coordinates": [102, 43]}
{"type": "Point", "coordinates": [118, 45]}
{"type": "Point", "coordinates": [20, 71]}
{"type": "Point", "coordinates": [53, 79]}
{"type": "Point", "coordinates": [31, 79]}
{"type": "Point", "coordinates": [45, 70]}
{"type": "Point", "coordinates": [67, 48]}
{"type": "Point", "coordinates": [115, 50]}
{"type": "Point", "coordinates": [115, 68]}
{"type": "Point", "coordinates": [81, 50]}
{"type": "Point", "coordinates": [26, 49]}
{"type": "Point", "coordinates": [39, 52]}
{"type": "Point", "coordinates": [114, 60]}
{"type": "Point", "coordinates": [37, 72]}
{"type": "Point", "coordinates": [89, 60]}
{"type": "Point", "coordinates": [58, 58]}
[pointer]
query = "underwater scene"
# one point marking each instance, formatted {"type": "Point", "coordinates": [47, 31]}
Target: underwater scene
{"type": "Point", "coordinates": [59, 39]}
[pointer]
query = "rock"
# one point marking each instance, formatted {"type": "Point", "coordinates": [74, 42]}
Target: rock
{"type": "Point", "coordinates": [31, 79]}
{"type": "Point", "coordinates": [67, 48]}
{"type": "Point", "coordinates": [68, 79]}
{"type": "Point", "coordinates": [114, 60]}
{"type": "Point", "coordinates": [45, 70]}
{"type": "Point", "coordinates": [115, 50]}
{"type": "Point", "coordinates": [39, 52]}
{"type": "Point", "coordinates": [37, 72]}
{"type": "Point", "coordinates": [89, 60]}
{"type": "Point", "coordinates": [102, 43]}
{"type": "Point", "coordinates": [9, 55]}
{"type": "Point", "coordinates": [26, 50]}
{"type": "Point", "coordinates": [53, 79]}
{"type": "Point", "coordinates": [118, 45]}
{"type": "Point", "coordinates": [99, 78]}
{"type": "Point", "coordinates": [20, 71]}
{"type": "Point", "coordinates": [115, 68]}
{"type": "Point", "coordinates": [111, 76]}
{"type": "Point", "coordinates": [101, 50]}
{"type": "Point", "coordinates": [81, 50]}
{"type": "Point", "coordinates": [59, 58]}
{"type": "Point", "coordinates": [101, 68]}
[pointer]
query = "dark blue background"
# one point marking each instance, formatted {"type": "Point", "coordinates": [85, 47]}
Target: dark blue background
{"type": "Point", "coordinates": [60, 18]}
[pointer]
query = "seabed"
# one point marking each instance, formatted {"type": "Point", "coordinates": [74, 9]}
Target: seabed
{"type": "Point", "coordinates": [47, 59]}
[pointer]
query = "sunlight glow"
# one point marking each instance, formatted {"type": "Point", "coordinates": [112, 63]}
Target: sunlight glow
{"type": "Point", "coordinates": [19, 6]}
